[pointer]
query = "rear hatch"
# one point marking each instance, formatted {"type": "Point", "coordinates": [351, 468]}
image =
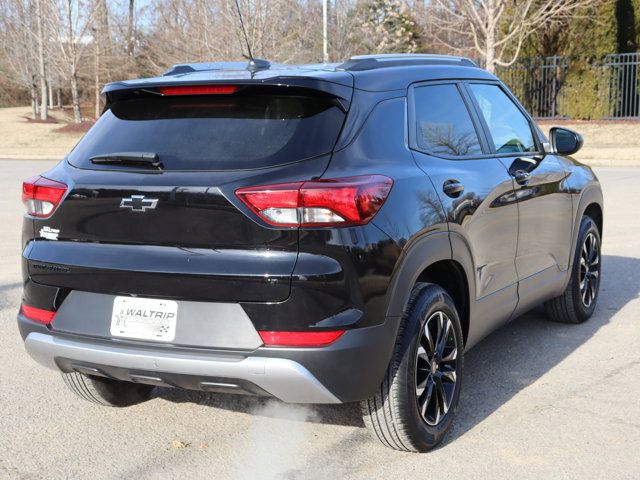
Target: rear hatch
{"type": "Point", "coordinates": [151, 210]}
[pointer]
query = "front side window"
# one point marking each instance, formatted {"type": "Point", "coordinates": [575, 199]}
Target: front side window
{"type": "Point", "coordinates": [443, 123]}
{"type": "Point", "coordinates": [508, 126]}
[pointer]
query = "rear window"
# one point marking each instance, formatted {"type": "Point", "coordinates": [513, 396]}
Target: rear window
{"type": "Point", "coordinates": [257, 127]}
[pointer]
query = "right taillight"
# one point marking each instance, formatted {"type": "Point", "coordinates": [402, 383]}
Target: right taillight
{"type": "Point", "coordinates": [338, 202]}
{"type": "Point", "coordinates": [41, 196]}
{"type": "Point", "coordinates": [299, 339]}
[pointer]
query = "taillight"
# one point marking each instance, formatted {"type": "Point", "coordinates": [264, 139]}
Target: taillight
{"type": "Point", "coordinates": [299, 339]}
{"type": "Point", "coordinates": [319, 203]}
{"type": "Point", "coordinates": [38, 314]}
{"type": "Point", "coordinates": [199, 90]}
{"type": "Point", "coordinates": [41, 196]}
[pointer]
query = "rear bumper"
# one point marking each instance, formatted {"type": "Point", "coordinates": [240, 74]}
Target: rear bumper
{"type": "Point", "coordinates": [285, 379]}
{"type": "Point", "coordinates": [218, 341]}
{"type": "Point", "coordinates": [348, 370]}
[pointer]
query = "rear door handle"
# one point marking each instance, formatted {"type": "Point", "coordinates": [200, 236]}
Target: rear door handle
{"type": "Point", "coordinates": [522, 177]}
{"type": "Point", "coordinates": [453, 188]}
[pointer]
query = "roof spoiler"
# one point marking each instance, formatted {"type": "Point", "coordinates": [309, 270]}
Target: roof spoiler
{"type": "Point", "coordinates": [116, 91]}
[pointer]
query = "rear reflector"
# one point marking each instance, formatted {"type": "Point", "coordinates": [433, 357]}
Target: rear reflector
{"type": "Point", "coordinates": [37, 314]}
{"type": "Point", "coordinates": [319, 203]}
{"type": "Point", "coordinates": [200, 90]}
{"type": "Point", "coordinates": [41, 196]}
{"type": "Point", "coordinates": [299, 339]}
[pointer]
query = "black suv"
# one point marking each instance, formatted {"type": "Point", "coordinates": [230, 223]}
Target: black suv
{"type": "Point", "coordinates": [315, 233]}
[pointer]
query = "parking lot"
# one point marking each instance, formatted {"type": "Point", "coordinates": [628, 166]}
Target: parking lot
{"type": "Point", "coordinates": [539, 400]}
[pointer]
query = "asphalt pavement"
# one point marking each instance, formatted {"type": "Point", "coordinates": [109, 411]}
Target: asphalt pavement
{"type": "Point", "coordinates": [539, 400]}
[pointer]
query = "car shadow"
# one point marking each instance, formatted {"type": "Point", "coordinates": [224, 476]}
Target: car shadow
{"type": "Point", "coordinates": [503, 364]}
{"type": "Point", "coordinates": [520, 353]}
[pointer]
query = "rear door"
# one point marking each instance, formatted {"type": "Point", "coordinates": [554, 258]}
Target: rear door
{"type": "Point", "coordinates": [544, 201]}
{"type": "Point", "coordinates": [177, 230]}
{"type": "Point", "coordinates": [476, 192]}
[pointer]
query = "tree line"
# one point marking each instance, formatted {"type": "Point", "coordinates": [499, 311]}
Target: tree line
{"type": "Point", "coordinates": [59, 51]}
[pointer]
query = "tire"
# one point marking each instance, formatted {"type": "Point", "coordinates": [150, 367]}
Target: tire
{"type": "Point", "coordinates": [576, 305]}
{"type": "Point", "coordinates": [394, 415]}
{"type": "Point", "coordinates": [105, 391]}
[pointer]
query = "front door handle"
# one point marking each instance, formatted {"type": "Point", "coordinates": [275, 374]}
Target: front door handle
{"type": "Point", "coordinates": [522, 177]}
{"type": "Point", "coordinates": [453, 188]}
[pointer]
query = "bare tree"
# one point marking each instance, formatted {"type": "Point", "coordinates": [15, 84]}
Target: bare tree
{"type": "Point", "coordinates": [179, 31]}
{"type": "Point", "coordinates": [16, 24]}
{"type": "Point", "coordinates": [42, 72]}
{"type": "Point", "coordinates": [78, 45]}
{"type": "Point", "coordinates": [277, 29]}
{"type": "Point", "coordinates": [102, 49]}
{"type": "Point", "coordinates": [497, 29]}
{"type": "Point", "coordinates": [71, 25]}
{"type": "Point", "coordinates": [131, 40]}
{"type": "Point", "coordinates": [343, 20]}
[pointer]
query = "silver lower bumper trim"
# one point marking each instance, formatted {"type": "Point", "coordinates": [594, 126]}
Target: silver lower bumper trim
{"type": "Point", "coordinates": [284, 379]}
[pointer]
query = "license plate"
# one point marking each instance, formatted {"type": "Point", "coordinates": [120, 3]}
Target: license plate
{"type": "Point", "coordinates": [144, 318]}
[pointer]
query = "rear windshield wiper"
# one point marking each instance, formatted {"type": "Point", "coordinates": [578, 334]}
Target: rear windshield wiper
{"type": "Point", "coordinates": [136, 159]}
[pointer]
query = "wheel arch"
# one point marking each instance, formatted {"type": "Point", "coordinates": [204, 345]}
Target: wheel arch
{"type": "Point", "coordinates": [590, 203]}
{"type": "Point", "coordinates": [594, 210]}
{"type": "Point", "coordinates": [450, 275]}
{"type": "Point", "coordinates": [430, 259]}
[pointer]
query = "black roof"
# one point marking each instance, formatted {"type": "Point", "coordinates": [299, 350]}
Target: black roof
{"type": "Point", "coordinates": [371, 72]}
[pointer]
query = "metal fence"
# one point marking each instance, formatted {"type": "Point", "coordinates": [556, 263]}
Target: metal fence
{"type": "Point", "coordinates": [538, 83]}
{"type": "Point", "coordinates": [551, 87]}
{"type": "Point", "coordinates": [624, 101]}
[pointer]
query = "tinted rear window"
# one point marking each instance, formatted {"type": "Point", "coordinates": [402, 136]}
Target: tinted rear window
{"type": "Point", "coordinates": [250, 129]}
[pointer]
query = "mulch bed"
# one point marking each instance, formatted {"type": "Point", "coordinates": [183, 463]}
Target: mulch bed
{"type": "Point", "coordinates": [75, 127]}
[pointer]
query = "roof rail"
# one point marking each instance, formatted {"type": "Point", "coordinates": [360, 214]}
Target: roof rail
{"type": "Point", "coordinates": [370, 62]}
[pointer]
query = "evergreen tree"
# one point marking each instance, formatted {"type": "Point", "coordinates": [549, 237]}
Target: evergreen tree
{"type": "Point", "coordinates": [626, 26]}
{"type": "Point", "coordinates": [387, 26]}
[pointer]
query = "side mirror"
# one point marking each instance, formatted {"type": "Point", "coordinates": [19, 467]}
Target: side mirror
{"type": "Point", "coordinates": [565, 141]}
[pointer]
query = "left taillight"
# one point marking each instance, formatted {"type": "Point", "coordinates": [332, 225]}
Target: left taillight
{"type": "Point", "coordinates": [38, 314]}
{"type": "Point", "coordinates": [42, 196]}
{"type": "Point", "coordinates": [338, 202]}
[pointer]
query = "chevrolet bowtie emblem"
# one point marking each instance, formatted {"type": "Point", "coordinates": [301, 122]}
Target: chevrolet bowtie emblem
{"type": "Point", "coordinates": [138, 203]}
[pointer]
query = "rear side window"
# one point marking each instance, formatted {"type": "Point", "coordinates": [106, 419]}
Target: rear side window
{"type": "Point", "coordinates": [257, 127]}
{"type": "Point", "coordinates": [508, 126]}
{"type": "Point", "coordinates": [443, 123]}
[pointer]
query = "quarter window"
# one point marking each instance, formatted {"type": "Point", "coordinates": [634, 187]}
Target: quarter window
{"type": "Point", "coordinates": [509, 128]}
{"type": "Point", "coordinates": [443, 123]}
